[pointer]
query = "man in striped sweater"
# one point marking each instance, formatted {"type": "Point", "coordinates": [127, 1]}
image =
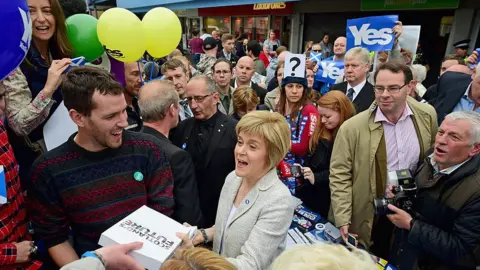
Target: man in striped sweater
{"type": "Point", "coordinates": [100, 175]}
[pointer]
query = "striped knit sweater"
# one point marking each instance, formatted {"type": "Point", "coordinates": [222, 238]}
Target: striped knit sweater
{"type": "Point", "coordinates": [91, 191]}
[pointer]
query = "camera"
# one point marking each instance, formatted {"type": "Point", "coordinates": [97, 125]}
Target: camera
{"type": "Point", "coordinates": [405, 194]}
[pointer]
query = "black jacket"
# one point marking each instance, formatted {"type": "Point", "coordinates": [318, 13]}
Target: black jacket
{"type": "Point", "coordinates": [363, 100]}
{"type": "Point", "coordinates": [317, 196]}
{"type": "Point", "coordinates": [450, 89]}
{"type": "Point", "coordinates": [261, 92]}
{"type": "Point", "coordinates": [446, 233]}
{"type": "Point", "coordinates": [233, 57]}
{"type": "Point", "coordinates": [185, 191]}
{"type": "Point", "coordinates": [219, 161]}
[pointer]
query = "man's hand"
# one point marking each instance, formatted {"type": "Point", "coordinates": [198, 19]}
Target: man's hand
{"type": "Point", "coordinates": [344, 233]}
{"type": "Point", "coordinates": [472, 59]}
{"type": "Point", "coordinates": [388, 191]}
{"type": "Point", "coordinates": [400, 218]}
{"type": "Point", "coordinates": [23, 251]}
{"type": "Point", "coordinates": [116, 256]}
{"type": "Point", "coordinates": [398, 30]}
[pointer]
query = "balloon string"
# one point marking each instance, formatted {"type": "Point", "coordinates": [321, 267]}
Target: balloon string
{"type": "Point", "coordinates": [151, 70]}
{"type": "Point", "coordinates": [140, 73]}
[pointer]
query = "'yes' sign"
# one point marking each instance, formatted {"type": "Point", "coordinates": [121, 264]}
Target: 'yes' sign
{"type": "Point", "coordinates": [329, 71]}
{"type": "Point", "coordinates": [372, 33]}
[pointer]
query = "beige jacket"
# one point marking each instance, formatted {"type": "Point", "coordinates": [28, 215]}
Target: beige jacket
{"type": "Point", "coordinates": [256, 234]}
{"type": "Point", "coordinates": [270, 98]}
{"type": "Point", "coordinates": [352, 166]}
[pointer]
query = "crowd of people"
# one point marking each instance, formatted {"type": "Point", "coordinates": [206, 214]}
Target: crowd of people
{"type": "Point", "coordinates": [213, 142]}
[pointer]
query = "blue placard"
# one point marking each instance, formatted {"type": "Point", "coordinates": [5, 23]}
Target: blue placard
{"type": "Point", "coordinates": [373, 33]}
{"type": "Point", "coordinates": [316, 57]}
{"type": "Point", "coordinates": [3, 186]}
{"type": "Point", "coordinates": [329, 71]}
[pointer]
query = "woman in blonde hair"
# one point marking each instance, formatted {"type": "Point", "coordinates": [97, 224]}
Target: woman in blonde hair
{"type": "Point", "coordinates": [255, 209]}
{"type": "Point", "coordinates": [196, 259]}
{"type": "Point", "coordinates": [245, 100]}
{"type": "Point", "coordinates": [324, 257]}
{"type": "Point", "coordinates": [334, 108]}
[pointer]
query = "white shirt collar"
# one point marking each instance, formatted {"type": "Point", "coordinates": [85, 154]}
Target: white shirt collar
{"type": "Point", "coordinates": [448, 170]}
{"type": "Point", "coordinates": [468, 90]}
{"type": "Point", "coordinates": [236, 86]}
{"type": "Point", "coordinates": [356, 89]}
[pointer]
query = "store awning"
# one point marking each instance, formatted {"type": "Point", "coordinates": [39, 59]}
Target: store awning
{"type": "Point", "coordinates": [142, 6]}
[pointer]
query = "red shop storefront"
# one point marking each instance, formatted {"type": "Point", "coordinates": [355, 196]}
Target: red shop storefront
{"type": "Point", "coordinates": [255, 19]}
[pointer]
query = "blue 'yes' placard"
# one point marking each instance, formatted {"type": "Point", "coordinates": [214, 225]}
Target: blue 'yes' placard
{"type": "Point", "coordinates": [373, 33]}
{"type": "Point", "coordinates": [329, 71]}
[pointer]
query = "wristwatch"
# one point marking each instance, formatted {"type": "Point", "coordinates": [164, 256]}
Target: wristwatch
{"type": "Point", "coordinates": [412, 221]}
{"type": "Point", "coordinates": [94, 254]}
{"type": "Point", "coordinates": [205, 237]}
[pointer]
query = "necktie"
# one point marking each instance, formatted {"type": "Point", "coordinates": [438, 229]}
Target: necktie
{"type": "Point", "coordinates": [350, 94]}
{"type": "Point", "coordinates": [186, 110]}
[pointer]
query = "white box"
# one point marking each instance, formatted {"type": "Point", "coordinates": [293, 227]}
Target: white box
{"type": "Point", "coordinates": [155, 230]}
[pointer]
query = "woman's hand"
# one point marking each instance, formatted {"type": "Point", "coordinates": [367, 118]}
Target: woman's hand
{"type": "Point", "coordinates": [117, 256]}
{"type": "Point", "coordinates": [54, 78]}
{"type": "Point", "coordinates": [23, 251]}
{"type": "Point", "coordinates": [307, 173]}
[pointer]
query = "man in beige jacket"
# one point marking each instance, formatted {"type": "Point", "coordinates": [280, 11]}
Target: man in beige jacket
{"type": "Point", "coordinates": [393, 134]}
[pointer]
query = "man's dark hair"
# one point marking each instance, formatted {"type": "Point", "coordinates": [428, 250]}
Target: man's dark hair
{"type": "Point", "coordinates": [172, 64]}
{"type": "Point", "coordinates": [396, 67]}
{"type": "Point", "coordinates": [195, 32]}
{"type": "Point", "coordinates": [255, 47]}
{"type": "Point", "coordinates": [72, 7]}
{"type": "Point", "coordinates": [459, 59]}
{"type": "Point", "coordinates": [222, 60]}
{"type": "Point", "coordinates": [79, 84]}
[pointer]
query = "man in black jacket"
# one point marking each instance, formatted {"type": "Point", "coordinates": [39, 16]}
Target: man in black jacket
{"type": "Point", "coordinates": [244, 73]}
{"type": "Point", "coordinates": [443, 229]}
{"type": "Point", "coordinates": [228, 41]}
{"type": "Point", "coordinates": [159, 103]}
{"type": "Point", "coordinates": [210, 139]}
{"type": "Point", "coordinates": [356, 87]}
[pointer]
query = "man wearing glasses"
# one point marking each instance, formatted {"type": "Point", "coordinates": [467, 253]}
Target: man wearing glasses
{"type": "Point", "coordinates": [356, 87]}
{"type": "Point", "coordinates": [222, 74]}
{"type": "Point", "coordinates": [393, 134]}
{"type": "Point", "coordinates": [209, 137]}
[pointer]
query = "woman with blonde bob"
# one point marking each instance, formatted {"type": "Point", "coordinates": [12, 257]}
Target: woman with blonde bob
{"type": "Point", "coordinates": [255, 209]}
{"type": "Point", "coordinates": [324, 257]}
{"type": "Point", "coordinates": [245, 100]}
{"type": "Point", "coordinates": [334, 108]}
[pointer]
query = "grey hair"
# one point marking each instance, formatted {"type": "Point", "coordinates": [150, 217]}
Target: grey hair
{"type": "Point", "coordinates": [358, 52]}
{"type": "Point", "coordinates": [419, 72]}
{"type": "Point", "coordinates": [212, 86]}
{"type": "Point", "coordinates": [473, 118]}
{"type": "Point", "coordinates": [155, 107]}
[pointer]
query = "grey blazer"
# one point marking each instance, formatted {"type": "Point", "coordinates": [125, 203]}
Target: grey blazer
{"type": "Point", "coordinates": [256, 234]}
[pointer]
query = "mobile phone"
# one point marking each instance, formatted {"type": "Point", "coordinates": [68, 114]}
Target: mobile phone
{"type": "Point", "coordinates": [352, 240]}
{"type": "Point", "coordinates": [295, 170]}
{"type": "Point", "coordinates": [76, 62]}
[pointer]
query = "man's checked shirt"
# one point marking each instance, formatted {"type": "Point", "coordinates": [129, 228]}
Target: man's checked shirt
{"type": "Point", "coordinates": [13, 223]}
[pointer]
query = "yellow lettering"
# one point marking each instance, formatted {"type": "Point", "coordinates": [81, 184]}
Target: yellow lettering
{"type": "Point", "coordinates": [266, 6]}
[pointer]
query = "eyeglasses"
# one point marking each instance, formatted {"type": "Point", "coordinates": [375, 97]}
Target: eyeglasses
{"type": "Point", "coordinates": [392, 89]}
{"type": "Point", "coordinates": [198, 99]}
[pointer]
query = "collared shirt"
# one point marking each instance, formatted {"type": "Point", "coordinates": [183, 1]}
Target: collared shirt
{"type": "Point", "coordinates": [466, 103]}
{"type": "Point", "coordinates": [226, 98]}
{"type": "Point", "coordinates": [236, 85]}
{"type": "Point", "coordinates": [13, 223]}
{"type": "Point", "coordinates": [134, 119]}
{"type": "Point", "coordinates": [227, 55]}
{"type": "Point", "coordinates": [181, 113]}
{"type": "Point", "coordinates": [201, 135]}
{"type": "Point", "coordinates": [356, 89]}
{"type": "Point", "coordinates": [401, 141]}
{"type": "Point", "coordinates": [447, 171]}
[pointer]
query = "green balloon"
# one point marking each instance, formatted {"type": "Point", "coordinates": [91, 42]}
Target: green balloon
{"type": "Point", "coordinates": [82, 34]}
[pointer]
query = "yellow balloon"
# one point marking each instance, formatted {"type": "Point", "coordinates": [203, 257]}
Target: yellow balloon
{"type": "Point", "coordinates": [163, 31]}
{"type": "Point", "coordinates": [121, 34]}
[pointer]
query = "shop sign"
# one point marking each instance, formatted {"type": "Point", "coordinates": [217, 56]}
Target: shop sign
{"type": "Point", "coordinates": [267, 6]}
{"type": "Point", "coordinates": [408, 4]}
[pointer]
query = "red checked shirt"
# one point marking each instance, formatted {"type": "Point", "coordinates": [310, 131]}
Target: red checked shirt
{"type": "Point", "coordinates": [13, 224]}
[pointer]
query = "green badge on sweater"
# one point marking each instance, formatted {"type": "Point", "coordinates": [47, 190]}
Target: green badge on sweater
{"type": "Point", "coordinates": [138, 176]}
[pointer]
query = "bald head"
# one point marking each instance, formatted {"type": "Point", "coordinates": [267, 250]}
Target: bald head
{"type": "Point", "coordinates": [460, 68]}
{"type": "Point", "coordinates": [244, 70]}
{"type": "Point", "coordinates": [282, 56]}
{"type": "Point", "coordinates": [155, 100]}
{"type": "Point", "coordinates": [340, 47]}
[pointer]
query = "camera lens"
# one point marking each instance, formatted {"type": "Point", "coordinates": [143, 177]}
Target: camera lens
{"type": "Point", "coordinates": [381, 205]}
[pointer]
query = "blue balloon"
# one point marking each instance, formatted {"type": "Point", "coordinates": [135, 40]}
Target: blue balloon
{"type": "Point", "coordinates": [15, 33]}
